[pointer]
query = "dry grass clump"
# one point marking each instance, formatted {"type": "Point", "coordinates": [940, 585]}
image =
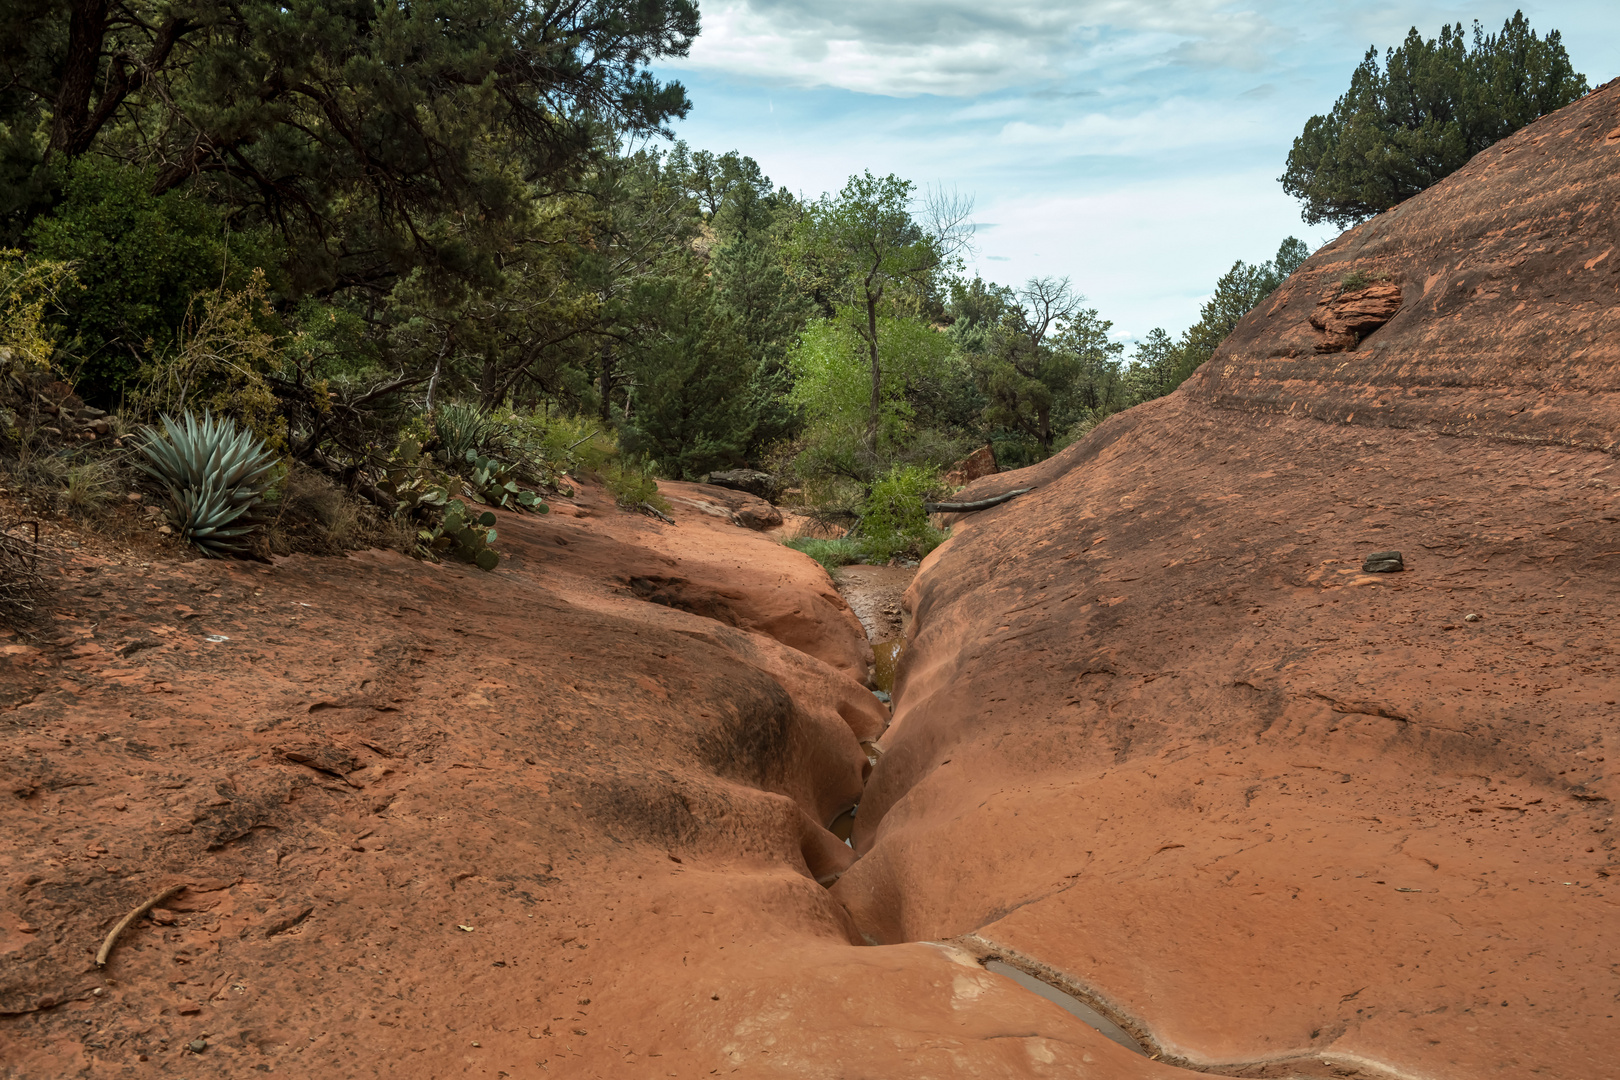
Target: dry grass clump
{"type": "Point", "coordinates": [21, 583]}
{"type": "Point", "coordinates": [314, 516]}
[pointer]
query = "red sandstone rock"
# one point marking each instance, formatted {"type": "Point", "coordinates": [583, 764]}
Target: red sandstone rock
{"type": "Point", "coordinates": [976, 466]}
{"type": "Point", "coordinates": [739, 507]}
{"type": "Point", "coordinates": [1156, 734]}
{"type": "Point", "coordinates": [440, 823]}
{"type": "Point", "coordinates": [1155, 728]}
{"type": "Point", "coordinates": [1345, 318]}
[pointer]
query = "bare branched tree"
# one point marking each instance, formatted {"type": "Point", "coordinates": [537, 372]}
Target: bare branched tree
{"type": "Point", "coordinates": [947, 215]}
{"type": "Point", "coordinates": [1047, 302]}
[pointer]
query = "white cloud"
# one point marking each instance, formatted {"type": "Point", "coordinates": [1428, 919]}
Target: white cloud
{"type": "Point", "coordinates": [1132, 145]}
{"type": "Point", "coordinates": [960, 48]}
{"type": "Point", "coordinates": [1147, 253]}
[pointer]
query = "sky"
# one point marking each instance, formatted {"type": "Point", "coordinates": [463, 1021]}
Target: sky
{"type": "Point", "coordinates": [1132, 146]}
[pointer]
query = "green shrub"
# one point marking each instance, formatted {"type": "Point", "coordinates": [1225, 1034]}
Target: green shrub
{"type": "Point", "coordinates": [29, 292]}
{"type": "Point", "coordinates": [580, 439]}
{"type": "Point", "coordinates": [631, 484]}
{"type": "Point", "coordinates": [140, 259]}
{"type": "Point", "coordinates": [1357, 280]}
{"type": "Point", "coordinates": [831, 554]}
{"type": "Point", "coordinates": [893, 521]}
{"type": "Point", "coordinates": [224, 356]}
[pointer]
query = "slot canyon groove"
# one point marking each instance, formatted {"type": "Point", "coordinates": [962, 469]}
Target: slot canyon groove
{"type": "Point", "coordinates": [1157, 741]}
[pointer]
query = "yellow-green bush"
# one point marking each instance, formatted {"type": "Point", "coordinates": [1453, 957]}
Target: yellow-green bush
{"type": "Point", "coordinates": [893, 521]}
{"type": "Point", "coordinates": [29, 288]}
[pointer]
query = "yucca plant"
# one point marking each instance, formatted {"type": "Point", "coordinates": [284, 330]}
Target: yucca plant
{"type": "Point", "coordinates": [215, 472]}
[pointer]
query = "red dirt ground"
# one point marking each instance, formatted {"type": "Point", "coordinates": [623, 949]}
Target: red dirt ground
{"type": "Point", "coordinates": [563, 819]}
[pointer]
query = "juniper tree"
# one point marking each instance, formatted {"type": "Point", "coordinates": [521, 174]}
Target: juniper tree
{"type": "Point", "coordinates": [1418, 117]}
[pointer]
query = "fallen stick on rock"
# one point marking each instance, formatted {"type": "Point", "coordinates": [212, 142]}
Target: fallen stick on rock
{"type": "Point", "coordinates": [123, 924]}
{"type": "Point", "coordinates": [657, 513]}
{"type": "Point", "coordinates": [977, 504]}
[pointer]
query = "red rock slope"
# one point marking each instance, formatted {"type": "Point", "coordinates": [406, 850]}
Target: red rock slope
{"type": "Point", "coordinates": [1157, 731]}
{"type": "Point", "coordinates": [563, 820]}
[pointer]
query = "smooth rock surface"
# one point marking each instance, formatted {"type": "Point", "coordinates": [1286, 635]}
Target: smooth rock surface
{"type": "Point", "coordinates": [1157, 731]}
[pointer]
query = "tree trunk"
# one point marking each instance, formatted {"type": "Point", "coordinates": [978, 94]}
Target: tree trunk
{"type": "Point", "coordinates": [607, 385]}
{"type": "Point", "coordinates": [1043, 421]}
{"type": "Point", "coordinates": [87, 31]}
{"type": "Point", "coordinates": [877, 374]}
{"type": "Point", "coordinates": [489, 382]}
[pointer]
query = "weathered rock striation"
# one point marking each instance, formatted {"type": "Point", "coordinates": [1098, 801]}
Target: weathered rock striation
{"type": "Point", "coordinates": [1157, 732]}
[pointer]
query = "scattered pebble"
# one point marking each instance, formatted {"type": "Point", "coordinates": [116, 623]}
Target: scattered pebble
{"type": "Point", "coordinates": [197, 1046]}
{"type": "Point", "coordinates": [1470, 617]}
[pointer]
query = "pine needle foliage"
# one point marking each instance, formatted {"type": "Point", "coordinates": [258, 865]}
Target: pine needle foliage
{"type": "Point", "coordinates": [1408, 123]}
{"type": "Point", "coordinates": [215, 473]}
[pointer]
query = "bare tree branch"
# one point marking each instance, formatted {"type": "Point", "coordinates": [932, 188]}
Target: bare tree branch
{"type": "Point", "coordinates": [947, 214]}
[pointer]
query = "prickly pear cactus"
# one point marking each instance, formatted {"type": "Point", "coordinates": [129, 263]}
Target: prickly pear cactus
{"type": "Point", "coordinates": [494, 484]}
{"type": "Point", "coordinates": [463, 537]}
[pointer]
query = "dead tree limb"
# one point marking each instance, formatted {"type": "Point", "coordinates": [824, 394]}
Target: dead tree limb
{"type": "Point", "coordinates": [977, 504]}
{"type": "Point", "coordinates": [123, 924]}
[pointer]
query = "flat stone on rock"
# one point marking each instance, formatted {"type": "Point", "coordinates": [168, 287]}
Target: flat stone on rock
{"type": "Point", "coordinates": [1384, 562]}
{"type": "Point", "coordinates": [753, 481]}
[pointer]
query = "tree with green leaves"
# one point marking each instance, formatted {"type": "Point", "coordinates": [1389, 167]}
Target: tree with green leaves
{"type": "Point", "coordinates": [751, 281]}
{"type": "Point", "coordinates": [1151, 373]}
{"type": "Point", "coordinates": [869, 255]}
{"type": "Point", "coordinates": [975, 310]}
{"type": "Point", "coordinates": [140, 259]}
{"type": "Point", "coordinates": [710, 177]}
{"type": "Point", "coordinates": [832, 389]}
{"type": "Point", "coordinates": [1407, 124]}
{"type": "Point", "coordinates": [375, 136]}
{"type": "Point", "coordinates": [1238, 292]}
{"type": "Point", "coordinates": [1160, 366]}
{"type": "Point", "coordinates": [1052, 366]}
{"type": "Point", "coordinates": [690, 410]}
{"type": "Point", "coordinates": [1023, 376]}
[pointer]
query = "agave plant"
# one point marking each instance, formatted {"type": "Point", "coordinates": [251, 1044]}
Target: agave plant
{"type": "Point", "coordinates": [462, 428]}
{"type": "Point", "coordinates": [215, 473]}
